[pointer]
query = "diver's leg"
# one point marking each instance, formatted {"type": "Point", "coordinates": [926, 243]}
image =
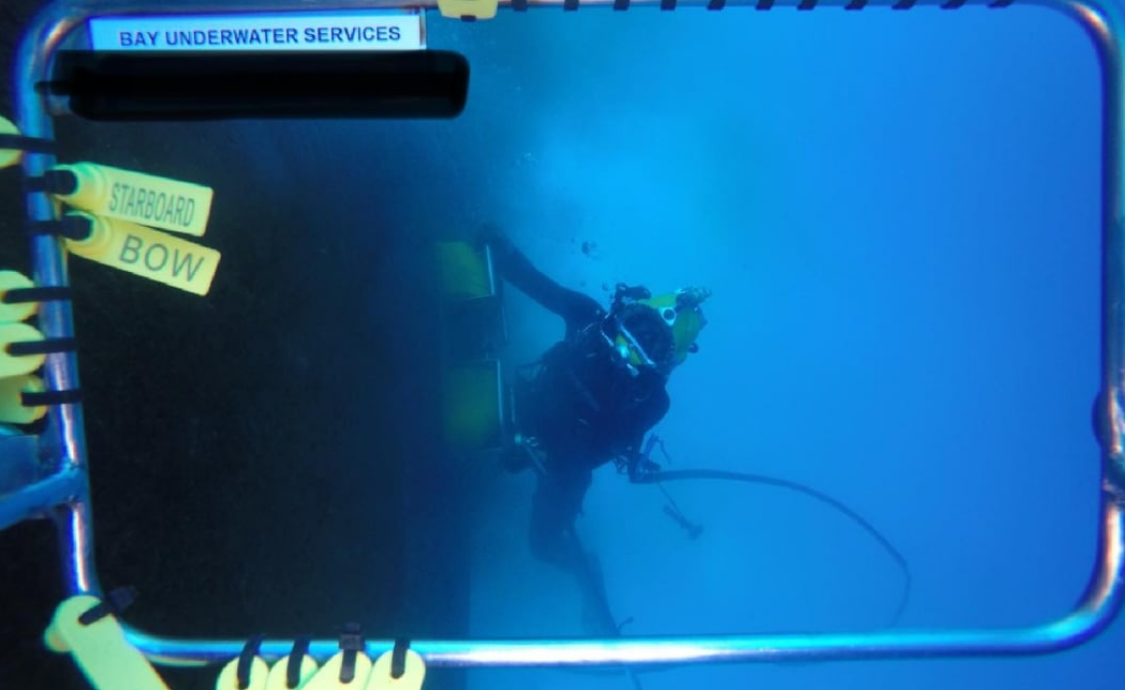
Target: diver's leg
{"type": "Point", "coordinates": [557, 501]}
{"type": "Point", "coordinates": [596, 614]}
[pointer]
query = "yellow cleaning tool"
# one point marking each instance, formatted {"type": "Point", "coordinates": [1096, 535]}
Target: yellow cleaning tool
{"type": "Point", "coordinates": [471, 406]}
{"type": "Point", "coordinates": [464, 271]}
{"type": "Point", "coordinates": [414, 672]}
{"type": "Point", "coordinates": [147, 253]}
{"type": "Point", "coordinates": [99, 647]}
{"type": "Point", "coordinates": [12, 409]}
{"type": "Point", "coordinates": [10, 313]}
{"type": "Point", "coordinates": [159, 202]}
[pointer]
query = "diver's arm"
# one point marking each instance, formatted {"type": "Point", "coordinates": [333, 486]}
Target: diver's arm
{"type": "Point", "coordinates": [576, 308]}
{"type": "Point", "coordinates": [640, 466]}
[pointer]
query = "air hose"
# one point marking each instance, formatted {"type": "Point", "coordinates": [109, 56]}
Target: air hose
{"type": "Point", "coordinates": [726, 475]}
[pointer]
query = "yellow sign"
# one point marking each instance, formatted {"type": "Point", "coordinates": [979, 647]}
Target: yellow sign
{"type": "Point", "coordinates": [159, 202]}
{"type": "Point", "coordinates": [148, 253]}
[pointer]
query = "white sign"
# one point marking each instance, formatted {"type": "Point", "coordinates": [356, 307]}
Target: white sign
{"type": "Point", "coordinates": [354, 30]}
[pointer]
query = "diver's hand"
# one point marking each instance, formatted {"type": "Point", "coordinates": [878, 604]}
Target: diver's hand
{"type": "Point", "coordinates": [643, 470]}
{"type": "Point", "coordinates": [490, 234]}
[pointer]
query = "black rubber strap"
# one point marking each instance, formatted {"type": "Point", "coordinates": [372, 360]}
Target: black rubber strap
{"type": "Point", "coordinates": [807, 5]}
{"type": "Point", "coordinates": [398, 657]}
{"type": "Point", "coordinates": [19, 142]}
{"type": "Point", "coordinates": [714, 5]}
{"type": "Point", "coordinates": [246, 660]}
{"type": "Point", "coordinates": [764, 5]}
{"type": "Point", "coordinates": [351, 642]}
{"type": "Point", "coordinates": [296, 657]}
{"type": "Point", "coordinates": [903, 4]}
{"type": "Point", "coordinates": [953, 4]}
{"type": "Point", "coordinates": [70, 227]}
{"type": "Point", "coordinates": [71, 396]}
{"type": "Point", "coordinates": [52, 182]}
{"type": "Point", "coordinates": [998, 4]}
{"type": "Point", "coordinates": [46, 346]}
{"type": "Point", "coordinates": [44, 293]}
{"type": "Point", "coordinates": [856, 5]}
{"type": "Point", "coordinates": [114, 603]}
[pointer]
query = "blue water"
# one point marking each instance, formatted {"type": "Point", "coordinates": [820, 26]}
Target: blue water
{"type": "Point", "coordinates": [897, 213]}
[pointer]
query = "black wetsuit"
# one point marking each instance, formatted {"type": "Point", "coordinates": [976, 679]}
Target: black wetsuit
{"type": "Point", "coordinates": [583, 408]}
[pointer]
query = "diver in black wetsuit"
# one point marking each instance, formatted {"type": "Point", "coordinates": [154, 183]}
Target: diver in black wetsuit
{"type": "Point", "coordinates": [594, 395]}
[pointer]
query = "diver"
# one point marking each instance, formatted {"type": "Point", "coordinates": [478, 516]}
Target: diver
{"type": "Point", "coordinates": [592, 396]}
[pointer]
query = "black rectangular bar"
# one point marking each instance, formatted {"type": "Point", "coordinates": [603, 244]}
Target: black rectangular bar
{"type": "Point", "coordinates": [171, 86]}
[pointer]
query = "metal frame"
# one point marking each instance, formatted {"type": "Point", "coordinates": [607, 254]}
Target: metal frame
{"type": "Point", "coordinates": [52, 468]}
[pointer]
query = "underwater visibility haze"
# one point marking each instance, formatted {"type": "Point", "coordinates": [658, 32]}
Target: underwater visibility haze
{"type": "Point", "coordinates": [894, 216]}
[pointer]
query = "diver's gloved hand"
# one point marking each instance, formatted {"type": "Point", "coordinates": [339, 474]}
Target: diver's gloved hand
{"type": "Point", "coordinates": [493, 236]}
{"type": "Point", "coordinates": [643, 470]}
